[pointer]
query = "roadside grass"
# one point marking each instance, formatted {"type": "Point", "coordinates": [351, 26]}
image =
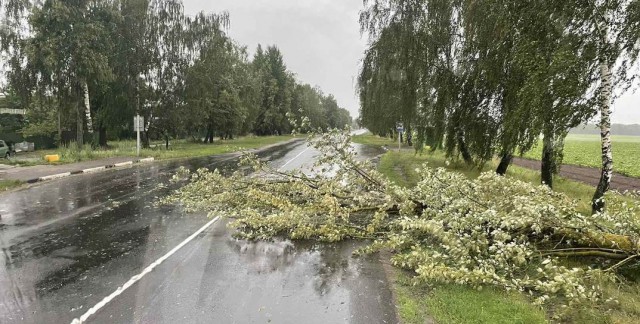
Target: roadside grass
{"type": "Point", "coordinates": [411, 302]}
{"type": "Point", "coordinates": [177, 149]}
{"type": "Point", "coordinates": [9, 184]}
{"type": "Point", "coordinates": [585, 150]}
{"type": "Point", "coordinates": [369, 139]}
{"type": "Point", "coordinates": [455, 304]}
{"type": "Point", "coordinates": [461, 304]}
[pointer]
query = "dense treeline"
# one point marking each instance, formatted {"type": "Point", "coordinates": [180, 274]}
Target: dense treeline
{"type": "Point", "coordinates": [88, 67]}
{"type": "Point", "coordinates": [481, 79]}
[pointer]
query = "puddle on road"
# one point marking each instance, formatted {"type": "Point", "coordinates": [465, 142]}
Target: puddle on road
{"type": "Point", "coordinates": [224, 280]}
{"type": "Point", "coordinates": [294, 282]}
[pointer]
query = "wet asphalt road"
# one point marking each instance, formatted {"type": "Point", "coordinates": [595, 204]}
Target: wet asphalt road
{"type": "Point", "coordinates": [68, 244]}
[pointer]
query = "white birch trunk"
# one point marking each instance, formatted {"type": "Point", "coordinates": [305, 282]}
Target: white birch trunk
{"type": "Point", "coordinates": [87, 107]}
{"type": "Point", "coordinates": [605, 136]}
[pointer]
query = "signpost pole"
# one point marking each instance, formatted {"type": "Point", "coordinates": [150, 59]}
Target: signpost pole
{"type": "Point", "coordinates": [400, 129]}
{"type": "Point", "coordinates": [137, 125]}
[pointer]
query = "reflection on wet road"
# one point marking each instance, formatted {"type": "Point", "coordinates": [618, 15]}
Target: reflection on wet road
{"type": "Point", "coordinates": [69, 243]}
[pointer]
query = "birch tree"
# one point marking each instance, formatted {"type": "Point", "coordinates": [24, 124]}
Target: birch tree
{"type": "Point", "coordinates": [64, 48]}
{"type": "Point", "coordinates": [613, 29]}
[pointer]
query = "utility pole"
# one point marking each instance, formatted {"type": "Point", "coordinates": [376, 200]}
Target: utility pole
{"type": "Point", "coordinates": [138, 124]}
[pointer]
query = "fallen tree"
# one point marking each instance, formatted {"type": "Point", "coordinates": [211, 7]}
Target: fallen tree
{"type": "Point", "coordinates": [492, 230]}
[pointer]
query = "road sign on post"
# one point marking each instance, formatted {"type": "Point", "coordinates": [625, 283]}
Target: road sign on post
{"type": "Point", "coordinates": [400, 128]}
{"type": "Point", "coordinates": [138, 126]}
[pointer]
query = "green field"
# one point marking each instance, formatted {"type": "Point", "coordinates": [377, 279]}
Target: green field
{"type": "Point", "coordinates": [585, 150]}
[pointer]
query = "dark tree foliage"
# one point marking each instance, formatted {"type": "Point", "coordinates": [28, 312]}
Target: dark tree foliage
{"type": "Point", "coordinates": [486, 79]}
{"type": "Point", "coordinates": [87, 65]}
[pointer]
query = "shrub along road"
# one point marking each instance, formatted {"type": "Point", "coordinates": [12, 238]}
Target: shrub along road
{"type": "Point", "coordinates": [69, 243]}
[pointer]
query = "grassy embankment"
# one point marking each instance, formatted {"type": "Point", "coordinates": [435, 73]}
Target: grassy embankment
{"type": "Point", "coordinates": [460, 304]}
{"type": "Point", "coordinates": [177, 149]}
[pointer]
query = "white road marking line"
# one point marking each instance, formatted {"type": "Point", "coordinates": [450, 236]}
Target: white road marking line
{"type": "Point", "coordinates": [297, 156]}
{"type": "Point", "coordinates": [139, 276]}
{"type": "Point", "coordinates": [150, 268]}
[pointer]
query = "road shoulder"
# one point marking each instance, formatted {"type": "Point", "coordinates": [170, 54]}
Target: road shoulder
{"type": "Point", "coordinates": [41, 173]}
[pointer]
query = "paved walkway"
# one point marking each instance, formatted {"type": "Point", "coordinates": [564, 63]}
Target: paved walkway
{"type": "Point", "coordinates": [590, 176]}
{"type": "Point", "coordinates": [26, 174]}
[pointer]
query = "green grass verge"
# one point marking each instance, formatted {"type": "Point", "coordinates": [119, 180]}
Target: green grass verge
{"type": "Point", "coordinates": [9, 184]}
{"type": "Point", "coordinates": [460, 304]}
{"type": "Point", "coordinates": [369, 139]}
{"type": "Point", "coordinates": [446, 304]}
{"type": "Point", "coordinates": [177, 149]}
{"type": "Point", "coordinates": [585, 150]}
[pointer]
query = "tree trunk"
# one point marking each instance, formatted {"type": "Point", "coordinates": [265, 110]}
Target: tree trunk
{"type": "Point", "coordinates": [505, 161]}
{"type": "Point", "coordinates": [597, 203]}
{"type": "Point", "coordinates": [548, 160]}
{"type": "Point", "coordinates": [207, 135]}
{"type": "Point", "coordinates": [146, 141]}
{"type": "Point", "coordinates": [60, 142]}
{"type": "Point", "coordinates": [102, 136]}
{"type": "Point", "coordinates": [211, 134]}
{"type": "Point", "coordinates": [79, 126]}
{"type": "Point", "coordinates": [462, 146]}
{"type": "Point", "coordinates": [87, 107]}
{"type": "Point", "coordinates": [166, 141]}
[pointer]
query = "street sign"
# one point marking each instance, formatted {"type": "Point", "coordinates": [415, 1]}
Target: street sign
{"type": "Point", "coordinates": [400, 129]}
{"type": "Point", "coordinates": [138, 123]}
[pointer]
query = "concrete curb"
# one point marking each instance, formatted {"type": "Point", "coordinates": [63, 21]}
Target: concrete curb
{"type": "Point", "coordinates": [90, 170]}
{"type": "Point", "coordinates": [122, 164]}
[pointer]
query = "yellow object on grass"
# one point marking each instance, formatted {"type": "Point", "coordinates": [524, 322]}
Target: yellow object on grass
{"type": "Point", "coordinates": [52, 158]}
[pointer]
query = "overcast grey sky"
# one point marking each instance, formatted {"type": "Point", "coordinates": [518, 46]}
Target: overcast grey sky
{"type": "Point", "coordinates": [321, 43]}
